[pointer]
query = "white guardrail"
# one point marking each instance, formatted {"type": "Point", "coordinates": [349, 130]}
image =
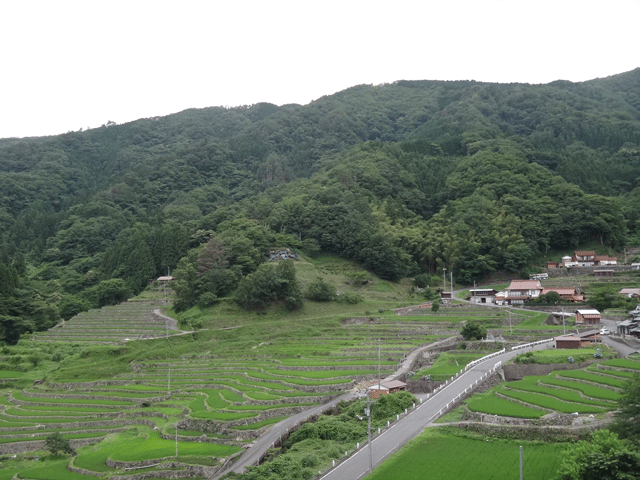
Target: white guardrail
{"type": "Point", "coordinates": [486, 357]}
{"type": "Point", "coordinates": [540, 342]}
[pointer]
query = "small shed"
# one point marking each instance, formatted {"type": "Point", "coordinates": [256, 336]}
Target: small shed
{"type": "Point", "coordinates": [376, 391]}
{"type": "Point", "coordinates": [630, 292]}
{"type": "Point", "coordinates": [394, 386]}
{"type": "Point", "coordinates": [589, 337]}
{"type": "Point", "coordinates": [445, 297]}
{"type": "Point", "coordinates": [603, 273]}
{"type": "Point", "coordinates": [568, 341]}
{"type": "Point", "coordinates": [588, 317]}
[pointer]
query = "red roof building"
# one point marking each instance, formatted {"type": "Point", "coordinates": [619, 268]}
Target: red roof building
{"type": "Point", "coordinates": [522, 290]}
{"type": "Point", "coordinates": [568, 294]}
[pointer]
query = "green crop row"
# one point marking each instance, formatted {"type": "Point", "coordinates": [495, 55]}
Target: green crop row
{"type": "Point", "coordinates": [562, 394]}
{"type": "Point", "coordinates": [591, 377]}
{"type": "Point", "coordinates": [610, 372]}
{"type": "Point", "coordinates": [551, 403]}
{"type": "Point", "coordinates": [623, 363]}
{"type": "Point", "coordinates": [79, 401]}
{"type": "Point", "coordinates": [586, 389]}
{"type": "Point", "coordinates": [493, 405]}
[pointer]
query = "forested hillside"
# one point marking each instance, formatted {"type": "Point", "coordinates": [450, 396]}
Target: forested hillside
{"type": "Point", "coordinates": [404, 178]}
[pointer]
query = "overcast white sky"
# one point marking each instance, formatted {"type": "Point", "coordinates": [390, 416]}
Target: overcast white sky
{"type": "Point", "coordinates": [68, 65]}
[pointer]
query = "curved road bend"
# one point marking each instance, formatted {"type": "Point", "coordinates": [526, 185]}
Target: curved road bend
{"type": "Point", "coordinates": [415, 422]}
{"type": "Point", "coordinates": [252, 455]}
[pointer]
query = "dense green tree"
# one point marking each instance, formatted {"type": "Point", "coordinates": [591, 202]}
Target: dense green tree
{"type": "Point", "coordinates": [473, 331]}
{"type": "Point", "coordinates": [108, 292]}
{"type": "Point", "coordinates": [626, 423]}
{"type": "Point", "coordinates": [604, 456]}
{"type": "Point", "coordinates": [320, 291]}
{"type": "Point", "coordinates": [269, 284]}
{"type": "Point", "coordinates": [55, 443]}
{"type": "Point", "coordinates": [130, 259]}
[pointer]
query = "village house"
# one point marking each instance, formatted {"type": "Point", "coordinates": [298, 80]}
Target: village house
{"type": "Point", "coordinates": [588, 317]}
{"type": "Point", "coordinates": [483, 295]}
{"type": "Point", "coordinates": [569, 294]}
{"type": "Point", "coordinates": [586, 258]}
{"type": "Point", "coordinates": [522, 290]}
{"type": "Point", "coordinates": [605, 260]}
{"type": "Point", "coordinates": [626, 327]}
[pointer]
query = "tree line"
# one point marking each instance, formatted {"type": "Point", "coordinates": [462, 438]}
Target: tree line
{"type": "Point", "coordinates": [404, 178]}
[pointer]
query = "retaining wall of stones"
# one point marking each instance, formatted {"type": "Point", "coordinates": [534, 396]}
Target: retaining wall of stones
{"type": "Point", "coordinates": [529, 431]}
{"type": "Point", "coordinates": [515, 371]}
{"type": "Point", "coordinates": [21, 447]}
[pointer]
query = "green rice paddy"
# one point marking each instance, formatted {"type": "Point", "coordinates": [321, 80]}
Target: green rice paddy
{"type": "Point", "coordinates": [440, 455]}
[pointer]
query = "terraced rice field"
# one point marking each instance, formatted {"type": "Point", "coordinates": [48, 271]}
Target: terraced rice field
{"type": "Point", "coordinates": [132, 320]}
{"type": "Point", "coordinates": [589, 391]}
{"type": "Point", "coordinates": [214, 402]}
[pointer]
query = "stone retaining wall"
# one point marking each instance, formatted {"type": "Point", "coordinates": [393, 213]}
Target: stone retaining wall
{"type": "Point", "coordinates": [21, 447]}
{"type": "Point", "coordinates": [100, 423]}
{"type": "Point", "coordinates": [529, 431]}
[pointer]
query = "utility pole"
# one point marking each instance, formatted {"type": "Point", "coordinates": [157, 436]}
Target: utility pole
{"type": "Point", "coordinates": [444, 279]}
{"type": "Point", "coordinates": [520, 462]}
{"type": "Point", "coordinates": [510, 327]}
{"type": "Point", "coordinates": [367, 412]}
{"type": "Point", "coordinates": [564, 329]}
{"type": "Point", "coordinates": [451, 284]}
{"type": "Point", "coordinates": [378, 366]}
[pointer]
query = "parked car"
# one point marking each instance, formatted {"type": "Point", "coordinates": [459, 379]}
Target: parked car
{"type": "Point", "coordinates": [605, 331]}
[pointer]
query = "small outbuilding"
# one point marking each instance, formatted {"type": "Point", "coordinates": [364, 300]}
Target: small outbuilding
{"type": "Point", "coordinates": [630, 292]}
{"type": "Point", "coordinates": [588, 317]}
{"type": "Point", "coordinates": [568, 341]}
{"type": "Point", "coordinates": [446, 297]}
{"type": "Point", "coordinates": [385, 388]}
{"type": "Point", "coordinates": [577, 340]}
{"type": "Point", "coordinates": [603, 273]}
{"type": "Point", "coordinates": [375, 391]}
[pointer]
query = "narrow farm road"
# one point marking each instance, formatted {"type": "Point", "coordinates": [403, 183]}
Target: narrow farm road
{"type": "Point", "coordinates": [252, 455]}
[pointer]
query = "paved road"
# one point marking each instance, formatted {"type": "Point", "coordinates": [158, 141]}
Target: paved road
{"type": "Point", "coordinates": [252, 455]}
{"type": "Point", "coordinates": [415, 422]}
